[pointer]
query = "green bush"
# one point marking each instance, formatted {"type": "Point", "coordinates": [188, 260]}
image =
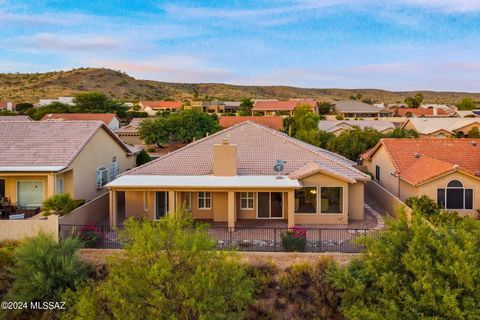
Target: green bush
{"type": "Point", "coordinates": [90, 236]}
{"type": "Point", "coordinates": [6, 261]}
{"type": "Point", "coordinates": [60, 204]}
{"type": "Point", "coordinates": [143, 157]}
{"type": "Point", "coordinates": [424, 204]}
{"type": "Point", "coordinates": [294, 240]}
{"type": "Point", "coordinates": [42, 269]}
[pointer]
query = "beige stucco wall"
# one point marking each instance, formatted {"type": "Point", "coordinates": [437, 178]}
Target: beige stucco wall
{"type": "Point", "coordinates": [92, 212]}
{"type": "Point", "coordinates": [130, 138]}
{"type": "Point", "coordinates": [382, 159]}
{"type": "Point", "coordinates": [356, 201]}
{"type": "Point", "coordinates": [466, 129]}
{"type": "Point", "coordinates": [21, 229]}
{"type": "Point", "coordinates": [97, 153]}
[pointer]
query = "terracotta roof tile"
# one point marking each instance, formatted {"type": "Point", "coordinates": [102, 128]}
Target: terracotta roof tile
{"type": "Point", "coordinates": [274, 122]}
{"type": "Point", "coordinates": [104, 117]}
{"type": "Point", "coordinates": [289, 105]}
{"type": "Point", "coordinates": [402, 112]}
{"type": "Point", "coordinates": [162, 104]}
{"type": "Point", "coordinates": [14, 118]}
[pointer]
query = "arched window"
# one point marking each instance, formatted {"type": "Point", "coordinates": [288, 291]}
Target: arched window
{"type": "Point", "coordinates": [455, 196]}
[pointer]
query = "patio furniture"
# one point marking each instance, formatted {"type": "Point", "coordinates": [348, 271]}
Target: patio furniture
{"type": "Point", "coordinates": [28, 212]}
{"type": "Point", "coordinates": [7, 207]}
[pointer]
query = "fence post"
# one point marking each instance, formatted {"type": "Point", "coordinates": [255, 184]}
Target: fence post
{"type": "Point", "coordinates": [229, 237]}
{"type": "Point", "coordinates": [275, 239]}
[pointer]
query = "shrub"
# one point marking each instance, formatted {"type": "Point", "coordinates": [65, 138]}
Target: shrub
{"type": "Point", "coordinates": [60, 204]}
{"type": "Point", "coordinates": [20, 107]}
{"type": "Point", "coordinates": [90, 236]}
{"type": "Point", "coordinates": [339, 117]}
{"type": "Point", "coordinates": [42, 269]}
{"type": "Point", "coordinates": [143, 157]}
{"type": "Point", "coordinates": [6, 261]}
{"type": "Point", "coordinates": [294, 240]}
{"type": "Point", "coordinates": [424, 205]}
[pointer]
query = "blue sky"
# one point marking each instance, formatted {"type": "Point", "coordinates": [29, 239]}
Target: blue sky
{"type": "Point", "coordinates": [401, 45]}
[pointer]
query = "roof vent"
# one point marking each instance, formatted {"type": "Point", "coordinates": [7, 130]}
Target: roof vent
{"type": "Point", "coordinates": [477, 173]}
{"type": "Point", "coordinates": [474, 143]}
{"type": "Point", "coordinates": [456, 166]}
{"type": "Point", "coordinates": [417, 155]}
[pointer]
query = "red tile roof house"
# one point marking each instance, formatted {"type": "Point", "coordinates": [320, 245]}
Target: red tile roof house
{"type": "Point", "coordinates": [273, 107]}
{"type": "Point", "coordinates": [41, 158]}
{"type": "Point", "coordinates": [421, 112]}
{"type": "Point", "coordinates": [110, 119]}
{"type": "Point", "coordinates": [274, 122]}
{"type": "Point", "coordinates": [446, 170]}
{"type": "Point", "coordinates": [11, 106]}
{"type": "Point", "coordinates": [152, 107]}
{"type": "Point", "coordinates": [230, 176]}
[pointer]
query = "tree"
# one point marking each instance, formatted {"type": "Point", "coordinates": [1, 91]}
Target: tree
{"type": "Point", "coordinates": [246, 105]}
{"type": "Point", "coordinates": [412, 102]}
{"type": "Point", "coordinates": [419, 98]}
{"type": "Point", "coordinates": [155, 131]}
{"type": "Point", "coordinates": [143, 157]}
{"type": "Point", "coordinates": [474, 133]}
{"type": "Point", "coordinates": [170, 270]}
{"type": "Point", "coordinates": [415, 270]}
{"type": "Point", "coordinates": [54, 107]}
{"type": "Point", "coordinates": [60, 204]}
{"type": "Point", "coordinates": [402, 133]}
{"type": "Point", "coordinates": [96, 102]}
{"type": "Point", "coordinates": [324, 107]}
{"type": "Point", "coordinates": [21, 107]}
{"type": "Point", "coordinates": [424, 204]}
{"type": "Point", "coordinates": [303, 119]}
{"type": "Point", "coordinates": [466, 104]}
{"type": "Point", "coordinates": [352, 143]}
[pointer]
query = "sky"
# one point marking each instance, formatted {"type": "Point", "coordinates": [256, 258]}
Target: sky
{"type": "Point", "coordinates": [389, 44]}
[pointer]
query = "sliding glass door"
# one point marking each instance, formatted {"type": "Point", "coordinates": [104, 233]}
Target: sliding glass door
{"type": "Point", "coordinates": [270, 205]}
{"type": "Point", "coordinates": [30, 194]}
{"type": "Point", "coordinates": [161, 204]}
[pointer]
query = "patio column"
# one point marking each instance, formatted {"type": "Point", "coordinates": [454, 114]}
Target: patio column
{"type": "Point", "coordinates": [50, 185]}
{"type": "Point", "coordinates": [291, 209]}
{"type": "Point", "coordinates": [171, 201]}
{"type": "Point", "coordinates": [113, 207]}
{"type": "Point", "coordinates": [231, 209]}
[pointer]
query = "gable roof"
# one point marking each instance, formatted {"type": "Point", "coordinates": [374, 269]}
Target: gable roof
{"type": "Point", "coordinates": [420, 160]}
{"type": "Point", "coordinates": [258, 147]}
{"type": "Point", "coordinates": [157, 104]}
{"type": "Point", "coordinates": [356, 106]}
{"type": "Point", "coordinates": [104, 117]}
{"type": "Point", "coordinates": [288, 105]}
{"type": "Point", "coordinates": [402, 112]}
{"type": "Point", "coordinates": [274, 122]}
{"type": "Point", "coordinates": [431, 125]}
{"type": "Point", "coordinates": [46, 145]}
{"type": "Point", "coordinates": [15, 118]}
{"type": "Point", "coordinates": [334, 125]}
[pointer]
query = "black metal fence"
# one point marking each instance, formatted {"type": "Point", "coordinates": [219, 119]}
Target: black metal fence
{"type": "Point", "coordinates": [239, 238]}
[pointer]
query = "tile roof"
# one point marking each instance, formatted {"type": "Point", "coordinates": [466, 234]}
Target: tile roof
{"type": "Point", "coordinates": [419, 160]}
{"type": "Point", "coordinates": [15, 118]}
{"type": "Point", "coordinates": [402, 112]}
{"type": "Point", "coordinates": [289, 105]}
{"type": "Point", "coordinates": [355, 106]}
{"type": "Point", "coordinates": [334, 125]}
{"type": "Point", "coordinates": [46, 143]}
{"type": "Point", "coordinates": [274, 122]}
{"type": "Point", "coordinates": [258, 147]}
{"type": "Point", "coordinates": [132, 127]}
{"type": "Point", "coordinates": [4, 105]}
{"type": "Point", "coordinates": [162, 104]}
{"type": "Point", "coordinates": [104, 117]}
{"type": "Point", "coordinates": [430, 125]}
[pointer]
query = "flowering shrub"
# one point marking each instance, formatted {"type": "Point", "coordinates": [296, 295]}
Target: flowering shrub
{"type": "Point", "coordinates": [90, 236]}
{"type": "Point", "coordinates": [294, 239]}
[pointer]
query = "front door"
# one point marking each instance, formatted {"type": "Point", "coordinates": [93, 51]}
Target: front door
{"type": "Point", "coordinates": [161, 204]}
{"type": "Point", "coordinates": [270, 205]}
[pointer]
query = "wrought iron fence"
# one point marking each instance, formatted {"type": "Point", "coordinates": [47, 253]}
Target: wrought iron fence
{"type": "Point", "coordinates": [238, 238]}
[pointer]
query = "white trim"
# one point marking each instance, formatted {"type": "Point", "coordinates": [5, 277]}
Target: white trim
{"type": "Point", "coordinates": [343, 201]}
{"type": "Point", "coordinates": [270, 206]}
{"type": "Point", "coordinates": [33, 168]}
{"type": "Point", "coordinates": [204, 200]}
{"type": "Point", "coordinates": [247, 200]}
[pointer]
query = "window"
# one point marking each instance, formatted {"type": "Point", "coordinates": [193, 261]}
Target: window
{"type": "Point", "coordinates": [114, 169]}
{"type": "Point", "coordinates": [246, 201]}
{"type": "Point", "coordinates": [331, 200]}
{"type": "Point", "coordinates": [59, 185]}
{"type": "Point", "coordinates": [204, 200]}
{"type": "Point", "coordinates": [102, 177]}
{"type": "Point", "coordinates": [145, 201]}
{"type": "Point", "coordinates": [2, 188]}
{"type": "Point", "coordinates": [187, 200]}
{"type": "Point", "coordinates": [455, 196]}
{"type": "Point", "coordinates": [306, 200]}
{"type": "Point", "coordinates": [377, 173]}
{"type": "Point", "coordinates": [30, 194]}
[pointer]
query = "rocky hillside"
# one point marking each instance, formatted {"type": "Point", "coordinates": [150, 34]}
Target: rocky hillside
{"type": "Point", "coordinates": [31, 87]}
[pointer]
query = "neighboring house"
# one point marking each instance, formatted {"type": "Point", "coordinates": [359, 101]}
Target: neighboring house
{"type": "Point", "coordinates": [65, 100]}
{"type": "Point", "coordinates": [5, 105]}
{"type": "Point", "coordinates": [338, 126]}
{"type": "Point", "coordinates": [230, 176]}
{"type": "Point", "coordinates": [442, 127]}
{"type": "Point", "coordinates": [274, 122]}
{"type": "Point", "coordinates": [130, 134]}
{"type": "Point", "coordinates": [110, 119]}
{"type": "Point", "coordinates": [207, 106]}
{"type": "Point", "coordinates": [41, 158]}
{"type": "Point", "coordinates": [446, 170]}
{"type": "Point", "coordinates": [231, 106]}
{"type": "Point", "coordinates": [14, 118]}
{"type": "Point", "coordinates": [152, 107]}
{"type": "Point", "coordinates": [465, 114]}
{"type": "Point", "coordinates": [422, 112]}
{"type": "Point", "coordinates": [274, 107]}
{"type": "Point", "coordinates": [357, 109]}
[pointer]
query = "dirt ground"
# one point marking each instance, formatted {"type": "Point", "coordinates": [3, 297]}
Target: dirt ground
{"type": "Point", "coordinates": [281, 259]}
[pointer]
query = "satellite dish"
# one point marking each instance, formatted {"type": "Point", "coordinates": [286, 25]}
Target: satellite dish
{"type": "Point", "coordinates": [279, 166]}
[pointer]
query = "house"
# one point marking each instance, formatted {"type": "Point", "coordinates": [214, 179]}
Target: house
{"type": "Point", "coordinates": [231, 106]}
{"type": "Point", "coordinates": [274, 122]}
{"type": "Point", "coordinates": [130, 134]}
{"type": "Point", "coordinates": [442, 127]}
{"type": "Point", "coordinates": [6, 105]}
{"type": "Point", "coordinates": [152, 107]}
{"type": "Point", "coordinates": [43, 158]}
{"type": "Point", "coordinates": [15, 118]}
{"type": "Point", "coordinates": [422, 112]}
{"type": "Point", "coordinates": [357, 109]}
{"type": "Point", "coordinates": [65, 100]}
{"type": "Point", "coordinates": [338, 126]}
{"type": "Point", "coordinates": [247, 171]}
{"type": "Point", "coordinates": [110, 119]}
{"type": "Point", "coordinates": [274, 107]}
{"type": "Point", "coordinates": [465, 114]}
{"type": "Point", "coordinates": [446, 170]}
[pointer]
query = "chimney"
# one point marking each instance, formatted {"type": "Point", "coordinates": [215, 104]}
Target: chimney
{"type": "Point", "coordinates": [9, 106]}
{"type": "Point", "coordinates": [435, 111]}
{"type": "Point", "coordinates": [225, 159]}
